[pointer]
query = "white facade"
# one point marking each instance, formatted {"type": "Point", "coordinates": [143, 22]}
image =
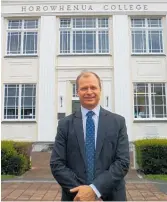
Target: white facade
{"type": "Point", "coordinates": [129, 58]}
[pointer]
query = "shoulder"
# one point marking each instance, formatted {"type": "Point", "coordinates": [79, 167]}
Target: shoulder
{"type": "Point", "coordinates": [114, 115]}
{"type": "Point", "coordinates": [64, 121]}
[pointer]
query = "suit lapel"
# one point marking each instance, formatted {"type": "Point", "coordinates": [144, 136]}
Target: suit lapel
{"type": "Point", "coordinates": [78, 125]}
{"type": "Point", "coordinates": [102, 127]}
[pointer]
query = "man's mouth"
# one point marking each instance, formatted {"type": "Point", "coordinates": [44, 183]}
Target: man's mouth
{"type": "Point", "coordinates": [89, 98]}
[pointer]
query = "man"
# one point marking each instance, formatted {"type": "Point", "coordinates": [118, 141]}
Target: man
{"type": "Point", "coordinates": [90, 157]}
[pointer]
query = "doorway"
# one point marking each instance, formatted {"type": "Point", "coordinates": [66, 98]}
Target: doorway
{"type": "Point", "coordinates": [75, 105]}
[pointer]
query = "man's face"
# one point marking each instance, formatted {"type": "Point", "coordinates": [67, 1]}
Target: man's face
{"type": "Point", "coordinates": [89, 91]}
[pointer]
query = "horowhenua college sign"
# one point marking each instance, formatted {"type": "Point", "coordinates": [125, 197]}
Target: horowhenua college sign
{"type": "Point", "coordinates": [83, 8]}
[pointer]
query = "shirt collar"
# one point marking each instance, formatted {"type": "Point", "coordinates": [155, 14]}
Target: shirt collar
{"type": "Point", "coordinates": [96, 110]}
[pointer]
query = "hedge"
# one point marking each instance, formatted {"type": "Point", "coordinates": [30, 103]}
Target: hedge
{"type": "Point", "coordinates": [151, 155]}
{"type": "Point", "coordinates": [15, 157]}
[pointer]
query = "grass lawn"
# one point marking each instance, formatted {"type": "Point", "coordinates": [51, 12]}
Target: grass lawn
{"type": "Point", "coordinates": [7, 177]}
{"type": "Point", "coordinates": [156, 177]}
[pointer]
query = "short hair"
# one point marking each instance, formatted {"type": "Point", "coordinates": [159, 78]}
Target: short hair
{"type": "Point", "coordinates": [87, 74]}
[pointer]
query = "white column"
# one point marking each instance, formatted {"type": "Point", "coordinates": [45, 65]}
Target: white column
{"type": "Point", "coordinates": [122, 74]}
{"type": "Point", "coordinates": [107, 95]}
{"type": "Point", "coordinates": [47, 80]}
{"type": "Point", "coordinates": [3, 39]}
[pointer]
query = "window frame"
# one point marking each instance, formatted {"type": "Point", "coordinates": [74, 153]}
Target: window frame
{"type": "Point", "coordinates": [22, 37]}
{"type": "Point", "coordinates": [146, 29]}
{"type": "Point", "coordinates": [150, 103]}
{"type": "Point", "coordinates": [19, 119]}
{"type": "Point", "coordinates": [73, 83]}
{"type": "Point", "coordinates": [96, 29]}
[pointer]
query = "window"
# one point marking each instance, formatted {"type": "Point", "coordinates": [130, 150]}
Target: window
{"type": "Point", "coordinates": [74, 90]}
{"type": "Point", "coordinates": [19, 101]}
{"type": "Point", "coordinates": [22, 37]}
{"type": "Point", "coordinates": [147, 36]}
{"type": "Point", "coordinates": [150, 100]}
{"type": "Point", "coordinates": [84, 35]}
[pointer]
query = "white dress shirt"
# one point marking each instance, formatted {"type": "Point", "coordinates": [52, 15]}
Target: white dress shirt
{"type": "Point", "coordinates": [95, 118]}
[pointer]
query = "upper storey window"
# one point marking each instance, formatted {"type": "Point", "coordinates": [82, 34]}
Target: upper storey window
{"type": "Point", "coordinates": [147, 36]}
{"type": "Point", "coordinates": [22, 37]}
{"type": "Point", "coordinates": [84, 35]}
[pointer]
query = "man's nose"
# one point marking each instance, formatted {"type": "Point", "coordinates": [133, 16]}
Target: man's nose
{"type": "Point", "coordinates": [89, 91]}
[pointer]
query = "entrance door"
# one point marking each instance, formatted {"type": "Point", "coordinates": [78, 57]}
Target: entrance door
{"type": "Point", "coordinates": [75, 105]}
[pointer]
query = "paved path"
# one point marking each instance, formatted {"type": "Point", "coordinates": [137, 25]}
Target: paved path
{"type": "Point", "coordinates": [39, 185]}
{"type": "Point", "coordinates": [51, 192]}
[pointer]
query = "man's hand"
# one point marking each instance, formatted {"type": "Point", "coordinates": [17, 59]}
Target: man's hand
{"type": "Point", "coordinates": [85, 193]}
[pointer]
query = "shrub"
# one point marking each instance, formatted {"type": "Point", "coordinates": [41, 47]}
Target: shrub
{"type": "Point", "coordinates": [25, 149]}
{"type": "Point", "coordinates": [12, 163]}
{"type": "Point", "coordinates": [15, 157]}
{"type": "Point", "coordinates": [7, 151]}
{"type": "Point", "coordinates": [151, 155]}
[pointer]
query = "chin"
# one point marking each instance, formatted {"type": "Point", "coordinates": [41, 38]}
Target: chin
{"type": "Point", "coordinates": [90, 105]}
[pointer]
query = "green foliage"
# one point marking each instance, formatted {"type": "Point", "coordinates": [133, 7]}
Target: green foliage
{"type": "Point", "coordinates": [15, 157]}
{"type": "Point", "coordinates": [156, 177]}
{"type": "Point", "coordinates": [25, 149]}
{"type": "Point", "coordinates": [151, 155]}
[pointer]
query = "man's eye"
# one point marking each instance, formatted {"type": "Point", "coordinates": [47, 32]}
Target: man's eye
{"type": "Point", "coordinates": [83, 88]}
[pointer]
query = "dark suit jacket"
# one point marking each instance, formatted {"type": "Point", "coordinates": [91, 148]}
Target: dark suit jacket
{"type": "Point", "coordinates": [112, 156]}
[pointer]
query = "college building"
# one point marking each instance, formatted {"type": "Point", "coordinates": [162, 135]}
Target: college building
{"type": "Point", "coordinates": [47, 44]}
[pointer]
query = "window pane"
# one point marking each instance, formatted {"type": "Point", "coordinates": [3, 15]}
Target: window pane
{"type": "Point", "coordinates": [154, 23]}
{"type": "Point", "coordinates": [138, 22]}
{"type": "Point", "coordinates": [78, 42]}
{"type": "Point", "coordinates": [30, 24]}
{"type": "Point", "coordinates": [158, 89]}
{"type": "Point", "coordinates": [28, 113]}
{"type": "Point", "coordinates": [155, 42]}
{"type": "Point", "coordinates": [14, 24]}
{"type": "Point", "coordinates": [103, 42]}
{"type": "Point", "coordinates": [10, 113]}
{"type": "Point", "coordinates": [90, 42]}
{"type": "Point", "coordinates": [65, 23]}
{"type": "Point", "coordinates": [78, 23]}
{"type": "Point", "coordinates": [84, 22]}
{"type": "Point", "coordinates": [11, 100]}
{"type": "Point", "coordinates": [30, 43]}
{"type": "Point", "coordinates": [14, 43]}
{"type": "Point", "coordinates": [74, 90]}
{"type": "Point", "coordinates": [65, 42]}
{"type": "Point", "coordinates": [28, 101]}
{"type": "Point", "coordinates": [12, 91]}
{"type": "Point", "coordinates": [141, 103]}
{"type": "Point", "coordinates": [158, 99]}
{"type": "Point", "coordinates": [28, 91]}
{"type": "Point", "coordinates": [159, 112]}
{"type": "Point", "coordinates": [90, 22]}
{"type": "Point", "coordinates": [138, 42]}
{"type": "Point", "coordinates": [84, 41]}
{"type": "Point", "coordinates": [103, 22]}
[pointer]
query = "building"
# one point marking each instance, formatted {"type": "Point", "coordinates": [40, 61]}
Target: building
{"type": "Point", "coordinates": [45, 45]}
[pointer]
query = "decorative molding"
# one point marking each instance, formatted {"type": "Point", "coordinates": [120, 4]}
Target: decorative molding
{"type": "Point", "coordinates": [65, 68]}
{"type": "Point", "coordinates": [23, 64]}
{"type": "Point", "coordinates": [33, 7]}
{"type": "Point", "coordinates": [148, 62]}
